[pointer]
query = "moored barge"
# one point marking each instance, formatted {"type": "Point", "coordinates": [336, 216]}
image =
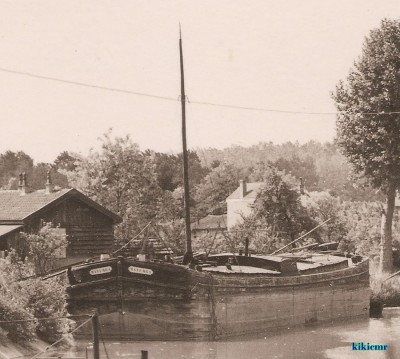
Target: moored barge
{"type": "Point", "coordinates": [229, 295]}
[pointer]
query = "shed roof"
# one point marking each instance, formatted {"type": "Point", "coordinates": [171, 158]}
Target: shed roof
{"type": "Point", "coordinates": [15, 207]}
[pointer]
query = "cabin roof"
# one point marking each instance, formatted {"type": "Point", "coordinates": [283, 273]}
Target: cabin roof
{"type": "Point", "coordinates": [17, 207]}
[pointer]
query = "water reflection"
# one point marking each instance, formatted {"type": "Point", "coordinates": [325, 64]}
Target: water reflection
{"type": "Point", "coordinates": [321, 342]}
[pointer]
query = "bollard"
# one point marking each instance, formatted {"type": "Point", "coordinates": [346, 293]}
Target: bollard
{"type": "Point", "coordinates": [145, 354]}
{"type": "Point", "coordinates": [95, 328]}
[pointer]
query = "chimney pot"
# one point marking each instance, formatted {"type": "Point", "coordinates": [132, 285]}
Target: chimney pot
{"type": "Point", "coordinates": [49, 183]}
{"type": "Point", "coordinates": [23, 183]}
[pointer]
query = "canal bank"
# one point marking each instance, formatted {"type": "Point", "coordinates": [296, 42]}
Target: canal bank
{"type": "Point", "coordinates": [12, 350]}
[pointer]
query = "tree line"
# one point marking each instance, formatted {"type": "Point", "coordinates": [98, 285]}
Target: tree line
{"type": "Point", "coordinates": [143, 186]}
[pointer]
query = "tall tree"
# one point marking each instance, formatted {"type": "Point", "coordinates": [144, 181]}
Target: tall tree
{"type": "Point", "coordinates": [123, 179]}
{"type": "Point", "coordinates": [213, 190]}
{"type": "Point", "coordinates": [11, 165]}
{"type": "Point", "coordinates": [298, 167]}
{"type": "Point", "coordinates": [169, 169]}
{"type": "Point", "coordinates": [368, 123]}
{"type": "Point", "coordinates": [65, 161]}
{"type": "Point", "coordinates": [278, 215]}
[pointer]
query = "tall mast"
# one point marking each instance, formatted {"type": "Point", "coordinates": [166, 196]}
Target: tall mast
{"type": "Point", "coordinates": [188, 254]}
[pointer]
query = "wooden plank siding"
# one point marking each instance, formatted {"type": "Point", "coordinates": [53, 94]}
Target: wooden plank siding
{"type": "Point", "coordinates": [89, 232]}
{"type": "Point", "coordinates": [89, 240]}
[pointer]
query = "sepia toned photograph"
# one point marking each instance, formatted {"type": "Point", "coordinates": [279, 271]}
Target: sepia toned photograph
{"type": "Point", "coordinates": [199, 179]}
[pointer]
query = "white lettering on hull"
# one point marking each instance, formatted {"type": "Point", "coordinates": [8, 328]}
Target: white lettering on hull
{"type": "Point", "coordinates": [101, 270]}
{"type": "Point", "coordinates": [140, 270]}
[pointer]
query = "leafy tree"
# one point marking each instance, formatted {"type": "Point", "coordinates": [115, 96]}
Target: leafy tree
{"type": "Point", "coordinates": [66, 161]}
{"type": "Point", "coordinates": [213, 190]}
{"type": "Point", "coordinates": [42, 248]}
{"type": "Point", "coordinates": [277, 211]}
{"type": "Point", "coordinates": [11, 165]}
{"type": "Point", "coordinates": [30, 299]}
{"type": "Point", "coordinates": [300, 168]}
{"type": "Point", "coordinates": [368, 123]}
{"type": "Point", "coordinates": [322, 206]}
{"type": "Point", "coordinates": [39, 173]}
{"type": "Point", "coordinates": [322, 166]}
{"type": "Point", "coordinates": [263, 238]}
{"type": "Point", "coordinates": [123, 179]}
{"type": "Point", "coordinates": [363, 223]}
{"type": "Point", "coordinates": [169, 169]}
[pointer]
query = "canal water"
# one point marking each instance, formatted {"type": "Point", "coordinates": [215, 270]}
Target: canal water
{"type": "Point", "coordinates": [319, 342]}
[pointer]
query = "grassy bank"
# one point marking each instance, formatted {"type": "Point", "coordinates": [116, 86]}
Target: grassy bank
{"type": "Point", "coordinates": [384, 291]}
{"type": "Point", "coordinates": [12, 350]}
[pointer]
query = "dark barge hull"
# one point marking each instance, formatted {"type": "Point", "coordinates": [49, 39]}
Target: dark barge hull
{"type": "Point", "coordinates": [162, 301]}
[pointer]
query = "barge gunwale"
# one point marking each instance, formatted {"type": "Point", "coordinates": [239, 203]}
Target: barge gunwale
{"type": "Point", "coordinates": [222, 280]}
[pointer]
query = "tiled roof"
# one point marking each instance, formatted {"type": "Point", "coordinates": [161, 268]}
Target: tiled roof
{"type": "Point", "coordinates": [251, 192]}
{"type": "Point", "coordinates": [15, 207]}
{"type": "Point", "coordinates": [211, 222]}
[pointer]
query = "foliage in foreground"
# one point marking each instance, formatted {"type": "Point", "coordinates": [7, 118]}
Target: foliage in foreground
{"type": "Point", "coordinates": [30, 299]}
{"type": "Point", "coordinates": [384, 290]}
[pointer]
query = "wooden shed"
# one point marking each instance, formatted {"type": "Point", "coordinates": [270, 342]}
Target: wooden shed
{"type": "Point", "coordinates": [89, 227]}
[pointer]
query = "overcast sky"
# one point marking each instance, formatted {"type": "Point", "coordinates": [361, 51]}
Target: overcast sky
{"type": "Point", "coordinates": [281, 55]}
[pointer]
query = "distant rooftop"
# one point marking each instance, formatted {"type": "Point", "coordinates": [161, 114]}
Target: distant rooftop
{"type": "Point", "coordinates": [251, 191]}
{"type": "Point", "coordinates": [211, 222]}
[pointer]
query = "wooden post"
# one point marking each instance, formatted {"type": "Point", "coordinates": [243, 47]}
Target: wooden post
{"type": "Point", "coordinates": [246, 247]}
{"type": "Point", "coordinates": [95, 329]}
{"type": "Point", "coordinates": [145, 354]}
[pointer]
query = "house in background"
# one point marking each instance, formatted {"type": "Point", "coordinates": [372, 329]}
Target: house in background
{"type": "Point", "coordinates": [89, 227]}
{"type": "Point", "coordinates": [240, 202]}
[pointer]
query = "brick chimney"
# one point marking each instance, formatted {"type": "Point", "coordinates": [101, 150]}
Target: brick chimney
{"type": "Point", "coordinates": [21, 180]}
{"type": "Point", "coordinates": [243, 188]}
{"type": "Point", "coordinates": [302, 186]}
{"type": "Point", "coordinates": [23, 184]}
{"type": "Point", "coordinates": [49, 183]}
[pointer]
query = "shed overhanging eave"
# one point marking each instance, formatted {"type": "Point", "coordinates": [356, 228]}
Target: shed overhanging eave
{"type": "Point", "coordinates": [8, 228]}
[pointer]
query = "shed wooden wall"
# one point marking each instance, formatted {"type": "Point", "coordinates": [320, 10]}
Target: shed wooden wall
{"type": "Point", "coordinates": [89, 232]}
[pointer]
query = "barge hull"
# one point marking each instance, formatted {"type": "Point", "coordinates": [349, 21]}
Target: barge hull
{"type": "Point", "coordinates": [201, 306]}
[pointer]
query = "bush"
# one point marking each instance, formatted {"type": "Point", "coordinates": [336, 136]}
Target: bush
{"type": "Point", "coordinates": [29, 299]}
{"type": "Point", "coordinates": [45, 299]}
{"type": "Point", "coordinates": [384, 291]}
{"type": "Point", "coordinates": [41, 248]}
{"type": "Point", "coordinates": [11, 310]}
